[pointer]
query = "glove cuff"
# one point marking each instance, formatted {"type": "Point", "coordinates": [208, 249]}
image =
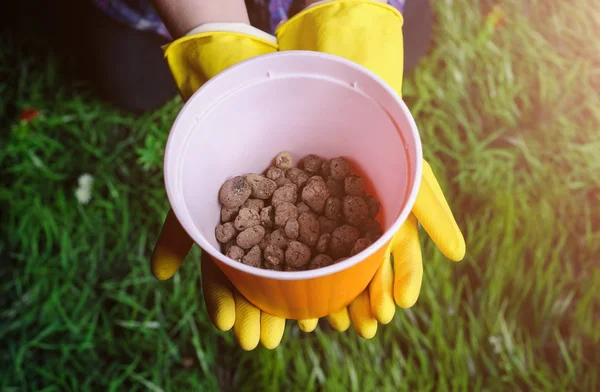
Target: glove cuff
{"type": "Point", "coordinates": [364, 31]}
{"type": "Point", "coordinates": [240, 28]}
{"type": "Point", "coordinates": [197, 57]}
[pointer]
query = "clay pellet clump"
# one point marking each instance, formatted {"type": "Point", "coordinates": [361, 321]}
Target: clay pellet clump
{"type": "Point", "coordinates": [315, 194]}
{"type": "Point", "coordinates": [303, 207]}
{"type": "Point", "coordinates": [327, 225]}
{"type": "Point", "coordinates": [360, 245]}
{"type": "Point", "coordinates": [353, 186]}
{"type": "Point", "coordinates": [320, 261]}
{"type": "Point", "coordinates": [254, 204]}
{"type": "Point", "coordinates": [312, 164]}
{"type": "Point", "coordinates": [262, 187]}
{"type": "Point", "coordinates": [274, 255]}
{"type": "Point", "coordinates": [246, 218]}
{"type": "Point", "coordinates": [225, 232]}
{"type": "Point", "coordinates": [292, 219]}
{"type": "Point", "coordinates": [340, 169]}
{"type": "Point", "coordinates": [292, 228]}
{"type": "Point", "coordinates": [334, 209]}
{"type": "Point", "coordinates": [274, 173]}
{"type": "Point", "coordinates": [323, 243]}
{"type": "Point", "coordinates": [281, 181]}
{"type": "Point", "coordinates": [283, 213]}
{"type": "Point", "coordinates": [236, 253]}
{"type": "Point", "coordinates": [297, 176]}
{"type": "Point", "coordinates": [297, 255]}
{"type": "Point", "coordinates": [267, 217]}
{"type": "Point", "coordinates": [309, 229]}
{"type": "Point", "coordinates": [355, 210]}
{"type": "Point", "coordinates": [284, 160]}
{"type": "Point", "coordinates": [286, 194]}
{"type": "Point", "coordinates": [250, 237]}
{"type": "Point", "coordinates": [335, 187]}
{"type": "Point", "coordinates": [229, 214]}
{"type": "Point", "coordinates": [253, 257]}
{"type": "Point", "coordinates": [235, 192]}
{"type": "Point", "coordinates": [342, 240]}
{"type": "Point", "coordinates": [373, 205]}
{"type": "Point", "coordinates": [326, 169]}
{"type": "Point", "coordinates": [277, 238]}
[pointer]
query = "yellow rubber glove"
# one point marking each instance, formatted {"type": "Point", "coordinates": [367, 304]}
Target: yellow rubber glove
{"type": "Point", "coordinates": [370, 33]}
{"type": "Point", "coordinates": [193, 60]}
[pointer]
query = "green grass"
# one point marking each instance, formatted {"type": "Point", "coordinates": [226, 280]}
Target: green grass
{"type": "Point", "coordinates": [510, 119]}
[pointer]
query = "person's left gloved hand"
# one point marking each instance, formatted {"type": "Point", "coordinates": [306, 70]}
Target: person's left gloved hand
{"type": "Point", "coordinates": [193, 60]}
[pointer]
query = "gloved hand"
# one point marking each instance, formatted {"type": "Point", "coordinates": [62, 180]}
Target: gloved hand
{"type": "Point", "coordinates": [370, 33]}
{"type": "Point", "coordinates": [193, 60]}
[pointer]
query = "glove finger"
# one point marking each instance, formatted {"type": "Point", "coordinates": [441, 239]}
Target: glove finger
{"type": "Point", "coordinates": [433, 211]}
{"type": "Point", "coordinates": [218, 295]}
{"type": "Point", "coordinates": [408, 263]}
{"type": "Point", "coordinates": [271, 330]}
{"type": "Point", "coordinates": [362, 318]}
{"type": "Point", "coordinates": [380, 292]}
{"type": "Point", "coordinates": [339, 321]}
{"type": "Point", "coordinates": [172, 246]}
{"type": "Point", "coordinates": [247, 323]}
{"type": "Point", "coordinates": [308, 325]}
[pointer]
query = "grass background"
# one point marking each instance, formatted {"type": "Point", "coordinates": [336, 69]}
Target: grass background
{"type": "Point", "coordinates": [508, 105]}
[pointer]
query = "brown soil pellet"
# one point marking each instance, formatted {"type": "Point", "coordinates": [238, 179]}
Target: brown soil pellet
{"type": "Point", "coordinates": [274, 255]}
{"type": "Point", "coordinates": [315, 194]}
{"type": "Point", "coordinates": [373, 205]}
{"type": "Point", "coordinates": [284, 160]}
{"type": "Point", "coordinates": [355, 210]}
{"type": "Point", "coordinates": [309, 229]}
{"type": "Point", "coordinates": [340, 168]}
{"type": "Point", "coordinates": [323, 243]}
{"type": "Point", "coordinates": [267, 217]}
{"type": "Point", "coordinates": [274, 173]}
{"type": "Point", "coordinates": [303, 207]}
{"type": "Point", "coordinates": [333, 209]}
{"type": "Point", "coordinates": [286, 194]}
{"type": "Point", "coordinates": [327, 225]}
{"type": "Point", "coordinates": [283, 213]}
{"type": "Point", "coordinates": [268, 266]}
{"type": "Point", "coordinates": [342, 240]}
{"type": "Point", "coordinates": [262, 187]}
{"type": "Point", "coordinates": [236, 253]}
{"type": "Point", "coordinates": [353, 186]}
{"type": "Point", "coordinates": [253, 257]}
{"type": "Point", "coordinates": [264, 242]}
{"type": "Point", "coordinates": [291, 229]}
{"type": "Point", "coordinates": [312, 164]}
{"type": "Point", "coordinates": [246, 218]}
{"type": "Point", "coordinates": [277, 238]}
{"type": "Point", "coordinates": [250, 237]}
{"type": "Point", "coordinates": [360, 245]}
{"type": "Point", "coordinates": [370, 225]}
{"type": "Point", "coordinates": [235, 192]}
{"type": "Point", "coordinates": [254, 204]}
{"type": "Point", "coordinates": [326, 169]}
{"type": "Point", "coordinates": [336, 188]}
{"type": "Point", "coordinates": [225, 232]}
{"type": "Point", "coordinates": [229, 245]}
{"type": "Point", "coordinates": [297, 176]}
{"type": "Point", "coordinates": [229, 214]}
{"type": "Point", "coordinates": [297, 255]}
{"type": "Point", "coordinates": [320, 261]}
{"type": "Point", "coordinates": [281, 181]}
